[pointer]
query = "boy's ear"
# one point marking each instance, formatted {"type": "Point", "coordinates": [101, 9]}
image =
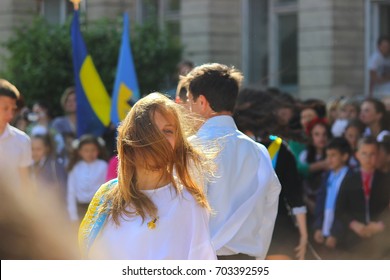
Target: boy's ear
{"type": "Point", "coordinates": [203, 102]}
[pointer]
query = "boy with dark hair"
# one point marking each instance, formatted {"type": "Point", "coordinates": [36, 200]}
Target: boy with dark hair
{"type": "Point", "coordinates": [245, 192]}
{"type": "Point", "coordinates": [362, 201]}
{"type": "Point", "coordinates": [325, 226]}
{"type": "Point", "coordinates": [15, 146]}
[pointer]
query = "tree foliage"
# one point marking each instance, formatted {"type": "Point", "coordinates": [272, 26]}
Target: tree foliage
{"type": "Point", "coordinates": [40, 57]}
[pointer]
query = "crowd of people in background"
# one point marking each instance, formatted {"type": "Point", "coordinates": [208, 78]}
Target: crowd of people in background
{"type": "Point", "coordinates": [332, 160]}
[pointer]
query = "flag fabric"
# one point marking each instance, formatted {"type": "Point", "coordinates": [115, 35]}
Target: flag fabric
{"type": "Point", "coordinates": [93, 101]}
{"type": "Point", "coordinates": [126, 90]}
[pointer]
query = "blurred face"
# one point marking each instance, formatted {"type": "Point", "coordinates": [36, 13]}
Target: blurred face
{"type": "Point", "coordinates": [367, 155]}
{"type": "Point", "coordinates": [89, 152]}
{"type": "Point", "coordinates": [7, 111]}
{"type": "Point", "coordinates": [384, 48]}
{"type": "Point", "coordinates": [284, 115]}
{"type": "Point", "coordinates": [39, 111]}
{"type": "Point", "coordinates": [352, 135]}
{"type": "Point", "coordinates": [383, 159]}
{"type": "Point", "coordinates": [39, 150]}
{"type": "Point", "coordinates": [368, 114]}
{"type": "Point", "coordinates": [319, 136]}
{"type": "Point", "coordinates": [350, 112]}
{"type": "Point", "coordinates": [335, 159]}
{"type": "Point", "coordinates": [307, 115]}
{"type": "Point", "coordinates": [70, 103]}
{"type": "Point", "coordinates": [167, 128]}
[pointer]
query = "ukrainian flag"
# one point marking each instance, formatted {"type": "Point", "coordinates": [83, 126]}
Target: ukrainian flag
{"type": "Point", "coordinates": [126, 90]}
{"type": "Point", "coordinates": [93, 101]}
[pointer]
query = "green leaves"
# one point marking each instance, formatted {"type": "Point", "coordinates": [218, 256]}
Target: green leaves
{"type": "Point", "coordinates": [40, 57]}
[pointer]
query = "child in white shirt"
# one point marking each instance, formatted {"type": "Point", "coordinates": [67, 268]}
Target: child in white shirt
{"type": "Point", "coordinates": [87, 171]}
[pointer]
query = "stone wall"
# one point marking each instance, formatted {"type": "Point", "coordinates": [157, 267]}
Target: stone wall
{"type": "Point", "coordinates": [331, 48]}
{"type": "Point", "coordinates": [211, 31]}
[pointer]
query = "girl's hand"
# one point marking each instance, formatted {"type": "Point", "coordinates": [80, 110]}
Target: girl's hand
{"type": "Point", "coordinates": [300, 250]}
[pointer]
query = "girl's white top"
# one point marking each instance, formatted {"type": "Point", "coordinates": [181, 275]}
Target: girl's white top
{"type": "Point", "coordinates": [83, 182]}
{"type": "Point", "coordinates": [181, 232]}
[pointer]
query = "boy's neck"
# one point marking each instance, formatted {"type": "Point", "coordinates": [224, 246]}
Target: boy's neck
{"type": "Point", "coordinates": [336, 170]}
{"type": "Point", "coordinates": [2, 129]}
{"type": "Point", "coordinates": [367, 170]}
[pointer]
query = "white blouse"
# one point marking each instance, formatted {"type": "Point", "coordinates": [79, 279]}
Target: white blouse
{"type": "Point", "coordinates": [83, 182]}
{"type": "Point", "coordinates": [181, 232]}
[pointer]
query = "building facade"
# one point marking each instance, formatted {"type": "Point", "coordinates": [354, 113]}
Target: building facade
{"type": "Point", "coordinates": [310, 48]}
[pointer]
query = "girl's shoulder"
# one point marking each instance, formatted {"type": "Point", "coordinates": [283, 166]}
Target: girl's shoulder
{"type": "Point", "coordinates": [94, 218]}
{"type": "Point", "coordinates": [106, 187]}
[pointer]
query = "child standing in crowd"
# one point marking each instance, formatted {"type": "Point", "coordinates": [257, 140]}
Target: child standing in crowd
{"type": "Point", "coordinates": [325, 226]}
{"type": "Point", "coordinates": [87, 171]}
{"type": "Point", "coordinates": [374, 115]}
{"type": "Point", "coordinates": [314, 158]}
{"type": "Point", "coordinates": [363, 199]}
{"type": "Point", "coordinates": [155, 209]}
{"type": "Point", "coordinates": [348, 110]}
{"type": "Point", "coordinates": [353, 132]}
{"type": "Point", "coordinates": [47, 170]}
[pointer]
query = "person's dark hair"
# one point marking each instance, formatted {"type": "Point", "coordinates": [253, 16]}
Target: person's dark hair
{"type": "Point", "coordinates": [317, 105]}
{"type": "Point", "coordinates": [83, 140]}
{"type": "Point", "coordinates": [356, 123]}
{"type": "Point", "coordinates": [340, 144]}
{"type": "Point", "coordinates": [368, 140]}
{"type": "Point", "coordinates": [45, 106]}
{"type": "Point", "coordinates": [286, 100]}
{"type": "Point", "coordinates": [311, 150]}
{"type": "Point", "coordinates": [274, 91]}
{"type": "Point", "coordinates": [380, 108]}
{"type": "Point", "coordinates": [381, 39]}
{"type": "Point", "coordinates": [48, 142]}
{"type": "Point", "coordinates": [253, 112]}
{"type": "Point", "coordinates": [218, 83]}
{"type": "Point", "coordinates": [9, 90]}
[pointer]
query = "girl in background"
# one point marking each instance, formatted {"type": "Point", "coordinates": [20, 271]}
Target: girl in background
{"type": "Point", "coordinates": [47, 171]}
{"type": "Point", "coordinates": [374, 115]}
{"type": "Point", "coordinates": [314, 157]}
{"type": "Point", "coordinates": [87, 171]}
{"type": "Point", "coordinates": [353, 132]}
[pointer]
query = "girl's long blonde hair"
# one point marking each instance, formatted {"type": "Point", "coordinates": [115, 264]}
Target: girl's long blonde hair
{"type": "Point", "coordinates": [141, 144]}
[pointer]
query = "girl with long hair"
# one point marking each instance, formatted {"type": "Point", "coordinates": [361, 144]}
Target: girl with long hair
{"type": "Point", "coordinates": [156, 208]}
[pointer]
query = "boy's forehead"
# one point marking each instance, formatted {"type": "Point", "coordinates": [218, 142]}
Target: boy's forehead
{"type": "Point", "coordinates": [7, 100]}
{"type": "Point", "coordinates": [334, 151]}
{"type": "Point", "coordinates": [368, 146]}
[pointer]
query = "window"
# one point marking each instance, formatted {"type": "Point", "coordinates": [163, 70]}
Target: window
{"type": "Point", "coordinates": [56, 11]}
{"type": "Point", "coordinates": [270, 44]}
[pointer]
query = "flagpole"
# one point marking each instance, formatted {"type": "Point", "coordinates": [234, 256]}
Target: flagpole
{"type": "Point", "coordinates": [76, 4]}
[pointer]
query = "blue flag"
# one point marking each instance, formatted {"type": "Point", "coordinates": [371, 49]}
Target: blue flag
{"type": "Point", "coordinates": [126, 90]}
{"type": "Point", "coordinates": [93, 101]}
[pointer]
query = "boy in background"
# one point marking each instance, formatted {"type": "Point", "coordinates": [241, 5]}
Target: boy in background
{"type": "Point", "coordinates": [15, 145]}
{"type": "Point", "coordinates": [325, 226]}
{"type": "Point", "coordinates": [362, 202]}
